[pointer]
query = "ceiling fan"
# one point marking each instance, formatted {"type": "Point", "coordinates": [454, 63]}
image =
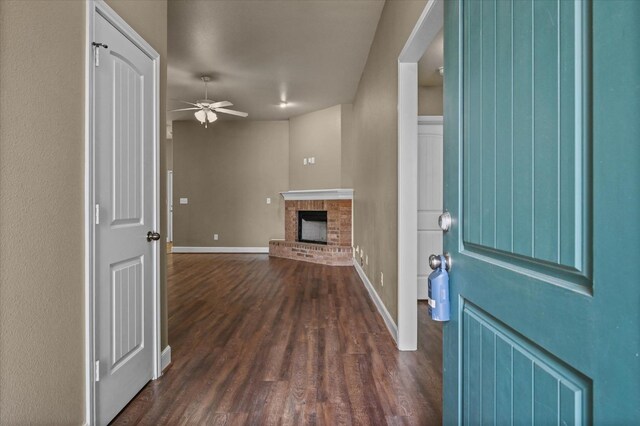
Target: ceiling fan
{"type": "Point", "coordinates": [205, 109]}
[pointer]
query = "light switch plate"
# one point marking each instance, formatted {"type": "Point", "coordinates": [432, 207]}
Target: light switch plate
{"type": "Point", "coordinates": [215, 237]}
{"type": "Point", "coordinates": [304, 161]}
{"type": "Point", "coordinates": [184, 201]}
{"type": "Point", "coordinates": [268, 200]}
{"type": "Point", "coordinates": [312, 160]}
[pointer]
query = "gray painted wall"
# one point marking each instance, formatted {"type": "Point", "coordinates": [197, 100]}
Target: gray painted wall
{"type": "Point", "coordinates": [375, 170]}
{"type": "Point", "coordinates": [227, 171]}
{"type": "Point", "coordinates": [430, 100]}
{"type": "Point", "coordinates": [317, 134]}
{"type": "Point", "coordinates": [42, 53]}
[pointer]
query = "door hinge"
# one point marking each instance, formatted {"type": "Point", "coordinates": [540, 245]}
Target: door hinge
{"type": "Point", "coordinates": [97, 214]}
{"type": "Point", "coordinates": [96, 52]}
{"type": "Point", "coordinates": [97, 371]}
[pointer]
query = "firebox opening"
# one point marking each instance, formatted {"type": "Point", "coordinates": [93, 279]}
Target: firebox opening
{"type": "Point", "coordinates": [312, 226]}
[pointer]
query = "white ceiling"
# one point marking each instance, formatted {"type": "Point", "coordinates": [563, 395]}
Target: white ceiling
{"type": "Point", "coordinates": [432, 59]}
{"type": "Point", "coordinates": [309, 53]}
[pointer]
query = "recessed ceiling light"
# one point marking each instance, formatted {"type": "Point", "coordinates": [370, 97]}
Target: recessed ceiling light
{"type": "Point", "coordinates": [283, 104]}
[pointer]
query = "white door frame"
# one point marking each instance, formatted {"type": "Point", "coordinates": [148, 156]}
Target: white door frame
{"type": "Point", "coordinates": [428, 25]}
{"type": "Point", "coordinates": [100, 7]}
{"type": "Point", "coordinates": [169, 206]}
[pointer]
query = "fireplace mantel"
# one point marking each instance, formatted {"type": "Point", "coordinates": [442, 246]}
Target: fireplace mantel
{"type": "Point", "coordinates": [318, 194]}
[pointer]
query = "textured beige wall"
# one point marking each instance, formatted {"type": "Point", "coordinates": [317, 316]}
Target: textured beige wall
{"type": "Point", "coordinates": [430, 100]}
{"type": "Point", "coordinates": [317, 134]}
{"type": "Point", "coordinates": [227, 171]}
{"type": "Point", "coordinates": [149, 19]}
{"type": "Point", "coordinates": [347, 146]}
{"type": "Point", "coordinates": [41, 212]}
{"type": "Point", "coordinates": [42, 46]}
{"type": "Point", "coordinates": [375, 175]}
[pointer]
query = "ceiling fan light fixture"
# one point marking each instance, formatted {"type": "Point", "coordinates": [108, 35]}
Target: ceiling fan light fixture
{"type": "Point", "coordinates": [206, 108]}
{"type": "Point", "coordinates": [201, 116]}
{"type": "Point", "coordinates": [211, 116]}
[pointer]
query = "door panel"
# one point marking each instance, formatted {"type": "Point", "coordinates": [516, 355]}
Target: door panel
{"type": "Point", "coordinates": [124, 191]}
{"type": "Point", "coordinates": [127, 310]}
{"type": "Point", "coordinates": [127, 182]}
{"type": "Point", "coordinates": [509, 377]}
{"type": "Point", "coordinates": [541, 156]}
{"type": "Point", "coordinates": [526, 140]}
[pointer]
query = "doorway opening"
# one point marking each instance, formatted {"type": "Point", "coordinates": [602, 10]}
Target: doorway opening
{"type": "Point", "coordinates": [426, 30]}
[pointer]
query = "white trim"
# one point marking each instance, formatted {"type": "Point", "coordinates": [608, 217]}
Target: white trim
{"type": "Point", "coordinates": [89, 401]}
{"type": "Point", "coordinates": [384, 313]}
{"type": "Point", "coordinates": [319, 194]}
{"type": "Point", "coordinates": [169, 206]}
{"type": "Point", "coordinates": [166, 358]}
{"type": "Point", "coordinates": [93, 7]}
{"type": "Point", "coordinates": [220, 250]}
{"type": "Point", "coordinates": [429, 24]}
{"type": "Point", "coordinates": [431, 119]}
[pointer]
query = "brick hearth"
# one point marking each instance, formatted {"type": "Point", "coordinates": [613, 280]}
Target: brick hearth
{"type": "Point", "coordinates": [337, 251]}
{"type": "Point", "coordinates": [315, 253]}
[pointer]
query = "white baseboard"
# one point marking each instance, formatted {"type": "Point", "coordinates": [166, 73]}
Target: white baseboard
{"type": "Point", "coordinates": [165, 358]}
{"type": "Point", "coordinates": [220, 250]}
{"type": "Point", "coordinates": [388, 320]}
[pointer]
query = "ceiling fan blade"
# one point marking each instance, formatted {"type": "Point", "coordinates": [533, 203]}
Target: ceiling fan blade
{"type": "Point", "coordinates": [185, 102]}
{"type": "Point", "coordinates": [220, 104]}
{"type": "Point", "coordinates": [184, 109]}
{"type": "Point", "coordinates": [232, 112]}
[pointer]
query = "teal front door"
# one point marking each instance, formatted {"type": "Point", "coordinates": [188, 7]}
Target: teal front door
{"type": "Point", "coordinates": [542, 178]}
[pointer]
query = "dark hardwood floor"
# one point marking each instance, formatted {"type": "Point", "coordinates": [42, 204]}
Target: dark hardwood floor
{"type": "Point", "coordinates": [274, 341]}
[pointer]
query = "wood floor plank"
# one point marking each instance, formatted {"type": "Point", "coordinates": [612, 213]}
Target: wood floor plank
{"type": "Point", "coordinates": [259, 340]}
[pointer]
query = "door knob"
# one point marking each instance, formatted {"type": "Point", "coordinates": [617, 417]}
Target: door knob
{"type": "Point", "coordinates": [153, 236]}
{"type": "Point", "coordinates": [435, 262]}
{"type": "Point", "coordinates": [444, 221]}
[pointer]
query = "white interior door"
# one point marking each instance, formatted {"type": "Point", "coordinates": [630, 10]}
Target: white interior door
{"type": "Point", "coordinates": [124, 193]}
{"type": "Point", "coordinates": [429, 196]}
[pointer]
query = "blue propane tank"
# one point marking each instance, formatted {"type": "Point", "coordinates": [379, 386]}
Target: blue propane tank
{"type": "Point", "coordinates": [439, 292]}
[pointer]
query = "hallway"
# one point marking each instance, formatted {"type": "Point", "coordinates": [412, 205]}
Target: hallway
{"type": "Point", "coordinates": [259, 340]}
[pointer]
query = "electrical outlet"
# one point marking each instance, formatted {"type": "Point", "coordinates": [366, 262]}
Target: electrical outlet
{"type": "Point", "coordinates": [184, 201]}
{"type": "Point", "coordinates": [215, 237]}
{"type": "Point", "coordinates": [304, 161]}
{"type": "Point", "coordinates": [312, 160]}
{"type": "Point", "coordinates": [268, 200]}
{"type": "Point", "coordinates": [381, 279]}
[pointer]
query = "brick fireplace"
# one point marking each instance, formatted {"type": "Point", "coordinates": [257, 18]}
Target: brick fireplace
{"type": "Point", "coordinates": [337, 203]}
